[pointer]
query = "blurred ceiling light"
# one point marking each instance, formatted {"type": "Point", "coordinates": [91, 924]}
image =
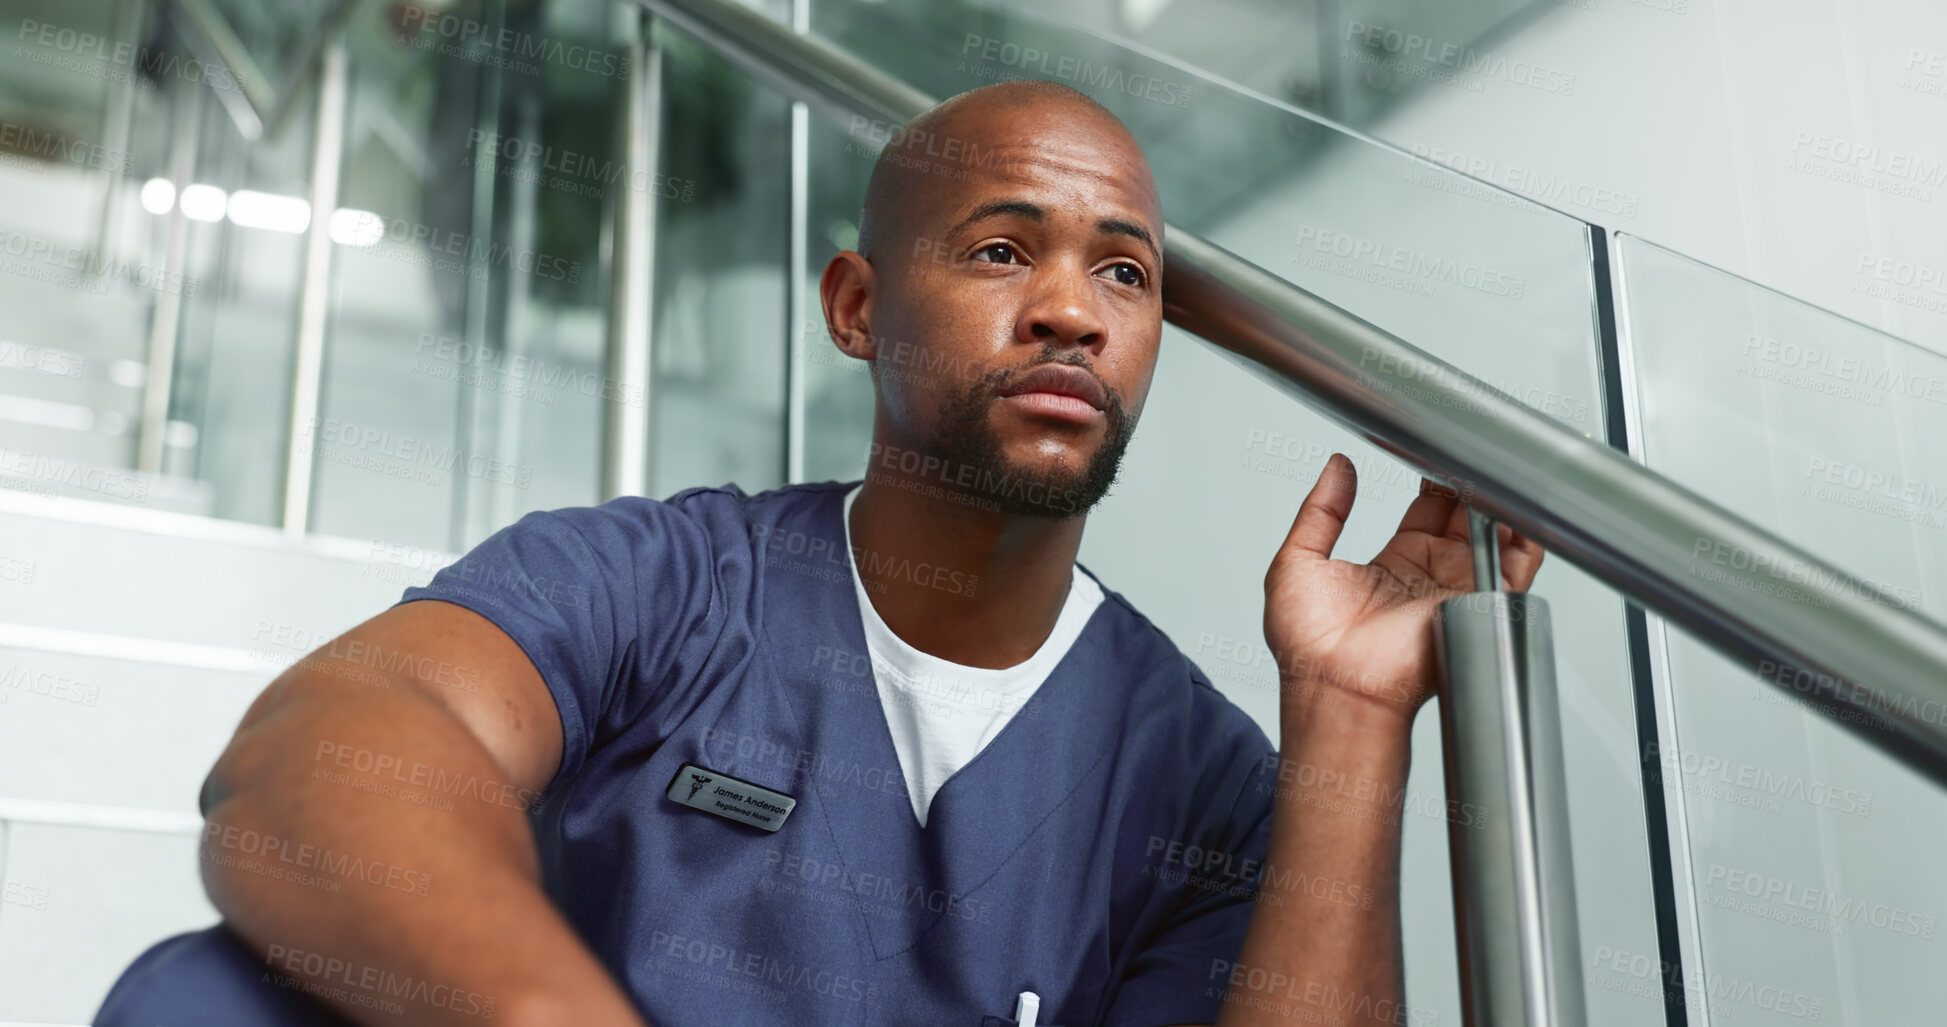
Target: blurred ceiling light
{"type": "Point", "coordinates": [253, 209]}
{"type": "Point", "coordinates": [158, 195]}
{"type": "Point", "coordinates": [248, 208]}
{"type": "Point", "coordinates": [351, 227]}
{"type": "Point", "coordinates": [1140, 14]}
{"type": "Point", "coordinates": [128, 373]}
{"type": "Point", "coordinates": [203, 202]}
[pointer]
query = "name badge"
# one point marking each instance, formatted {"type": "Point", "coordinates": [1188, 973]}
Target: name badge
{"type": "Point", "coordinates": [726, 796]}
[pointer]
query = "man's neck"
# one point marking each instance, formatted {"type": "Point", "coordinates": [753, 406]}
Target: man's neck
{"type": "Point", "coordinates": [967, 585]}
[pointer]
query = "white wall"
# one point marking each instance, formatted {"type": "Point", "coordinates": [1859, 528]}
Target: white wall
{"type": "Point", "coordinates": [1723, 123]}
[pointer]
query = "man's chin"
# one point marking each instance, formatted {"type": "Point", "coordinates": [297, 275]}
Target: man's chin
{"type": "Point", "coordinates": [1038, 474]}
{"type": "Point", "coordinates": [1050, 489]}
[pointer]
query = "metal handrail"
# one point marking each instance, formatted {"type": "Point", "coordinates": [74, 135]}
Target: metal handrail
{"type": "Point", "coordinates": [1803, 625]}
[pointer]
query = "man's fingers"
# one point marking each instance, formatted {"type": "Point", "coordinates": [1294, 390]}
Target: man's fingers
{"type": "Point", "coordinates": [1431, 510]}
{"type": "Point", "coordinates": [1520, 558]}
{"type": "Point", "coordinates": [1321, 517]}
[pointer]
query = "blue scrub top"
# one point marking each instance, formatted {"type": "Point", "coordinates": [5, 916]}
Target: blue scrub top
{"type": "Point", "coordinates": [1102, 851]}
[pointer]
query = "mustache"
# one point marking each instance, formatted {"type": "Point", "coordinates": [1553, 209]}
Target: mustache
{"type": "Point", "coordinates": [993, 382]}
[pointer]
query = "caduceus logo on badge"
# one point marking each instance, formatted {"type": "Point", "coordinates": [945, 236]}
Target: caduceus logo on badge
{"type": "Point", "coordinates": [699, 781]}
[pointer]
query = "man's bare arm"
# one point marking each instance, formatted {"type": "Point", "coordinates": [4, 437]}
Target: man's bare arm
{"type": "Point", "coordinates": [1355, 651]}
{"type": "Point", "coordinates": [366, 830]}
{"type": "Point", "coordinates": [1324, 943]}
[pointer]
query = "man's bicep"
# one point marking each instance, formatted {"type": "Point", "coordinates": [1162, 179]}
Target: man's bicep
{"type": "Point", "coordinates": [470, 666]}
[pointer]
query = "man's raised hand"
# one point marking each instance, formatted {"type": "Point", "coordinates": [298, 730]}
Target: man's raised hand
{"type": "Point", "coordinates": [1366, 630]}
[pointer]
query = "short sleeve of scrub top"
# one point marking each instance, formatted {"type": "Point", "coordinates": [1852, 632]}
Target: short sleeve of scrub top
{"type": "Point", "coordinates": [1176, 978]}
{"type": "Point", "coordinates": [568, 587]}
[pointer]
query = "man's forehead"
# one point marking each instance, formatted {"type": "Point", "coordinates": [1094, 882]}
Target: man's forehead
{"type": "Point", "coordinates": [1068, 176]}
{"type": "Point", "coordinates": [1046, 145]}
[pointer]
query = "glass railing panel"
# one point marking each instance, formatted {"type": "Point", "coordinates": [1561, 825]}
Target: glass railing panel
{"type": "Point", "coordinates": [838, 389]}
{"type": "Point", "coordinates": [1482, 279]}
{"type": "Point", "coordinates": [85, 121]}
{"type": "Point", "coordinates": [722, 252]}
{"type": "Point", "coordinates": [277, 37]}
{"type": "Point", "coordinates": [240, 316]}
{"type": "Point", "coordinates": [464, 379]}
{"type": "Point", "coordinates": [1351, 61]}
{"type": "Point", "coordinates": [1809, 887]}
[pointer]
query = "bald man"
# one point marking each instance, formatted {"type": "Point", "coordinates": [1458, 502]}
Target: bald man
{"type": "Point", "coordinates": [876, 752]}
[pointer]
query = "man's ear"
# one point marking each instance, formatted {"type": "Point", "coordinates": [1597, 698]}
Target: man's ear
{"type": "Point", "coordinates": [846, 290]}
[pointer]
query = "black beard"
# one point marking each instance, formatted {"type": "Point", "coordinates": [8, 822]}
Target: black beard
{"type": "Point", "coordinates": [963, 438]}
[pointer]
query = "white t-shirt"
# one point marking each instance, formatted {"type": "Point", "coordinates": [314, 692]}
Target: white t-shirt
{"type": "Point", "coordinates": [941, 713]}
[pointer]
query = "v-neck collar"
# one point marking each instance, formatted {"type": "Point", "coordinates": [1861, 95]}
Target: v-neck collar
{"type": "Point", "coordinates": [986, 811]}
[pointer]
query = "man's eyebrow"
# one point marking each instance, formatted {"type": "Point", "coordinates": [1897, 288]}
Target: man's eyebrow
{"type": "Point", "coordinates": [1033, 212]}
{"type": "Point", "coordinates": [1115, 226]}
{"type": "Point", "coordinates": [1000, 208]}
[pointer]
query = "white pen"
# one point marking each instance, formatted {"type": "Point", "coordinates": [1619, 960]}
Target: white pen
{"type": "Point", "coordinates": [1026, 1008]}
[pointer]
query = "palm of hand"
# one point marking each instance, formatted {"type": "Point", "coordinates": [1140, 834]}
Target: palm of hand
{"type": "Point", "coordinates": [1367, 629]}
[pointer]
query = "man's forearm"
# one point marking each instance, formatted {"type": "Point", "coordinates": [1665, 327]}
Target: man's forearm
{"type": "Point", "coordinates": [1324, 941]}
{"type": "Point", "coordinates": [363, 842]}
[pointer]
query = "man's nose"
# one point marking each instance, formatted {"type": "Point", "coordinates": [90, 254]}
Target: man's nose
{"type": "Point", "coordinates": [1062, 311]}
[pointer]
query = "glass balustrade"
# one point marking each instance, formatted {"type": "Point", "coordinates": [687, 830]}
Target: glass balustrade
{"type": "Point", "coordinates": [1808, 894]}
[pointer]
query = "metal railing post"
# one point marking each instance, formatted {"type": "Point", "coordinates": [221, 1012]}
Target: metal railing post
{"type": "Point", "coordinates": [314, 293]}
{"type": "Point", "coordinates": [797, 283]}
{"type": "Point", "coordinates": [165, 320]}
{"type": "Point", "coordinates": [627, 420]}
{"type": "Point", "coordinates": [117, 129]}
{"type": "Point", "coordinates": [1500, 729]}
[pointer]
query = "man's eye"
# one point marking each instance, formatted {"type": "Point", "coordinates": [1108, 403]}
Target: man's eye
{"type": "Point", "coordinates": [1005, 254]}
{"type": "Point", "coordinates": [1127, 274]}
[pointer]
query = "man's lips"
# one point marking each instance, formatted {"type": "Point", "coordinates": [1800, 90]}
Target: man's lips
{"type": "Point", "coordinates": [1056, 406]}
{"type": "Point", "coordinates": [1059, 380]}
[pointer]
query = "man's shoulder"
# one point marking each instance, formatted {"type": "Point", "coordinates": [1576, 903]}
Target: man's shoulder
{"type": "Point", "coordinates": [714, 515]}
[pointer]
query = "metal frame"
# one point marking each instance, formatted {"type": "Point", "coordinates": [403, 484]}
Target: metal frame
{"type": "Point", "coordinates": [257, 108]}
{"type": "Point", "coordinates": [1679, 923]}
{"type": "Point", "coordinates": [474, 409]}
{"type": "Point", "coordinates": [1619, 413]}
{"type": "Point", "coordinates": [797, 300]}
{"type": "Point", "coordinates": [118, 122]}
{"type": "Point", "coordinates": [1519, 943]}
{"type": "Point", "coordinates": [626, 424]}
{"type": "Point", "coordinates": [314, 294]}
{"type": "Point", "coordinates": [165, 320]}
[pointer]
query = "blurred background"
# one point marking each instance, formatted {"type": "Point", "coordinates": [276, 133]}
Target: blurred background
{"type": "Point", "coordinates": [300, 301]}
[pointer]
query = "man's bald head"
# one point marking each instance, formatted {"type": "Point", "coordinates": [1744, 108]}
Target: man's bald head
{"type": "Point", "coordinates": [963, 135]}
